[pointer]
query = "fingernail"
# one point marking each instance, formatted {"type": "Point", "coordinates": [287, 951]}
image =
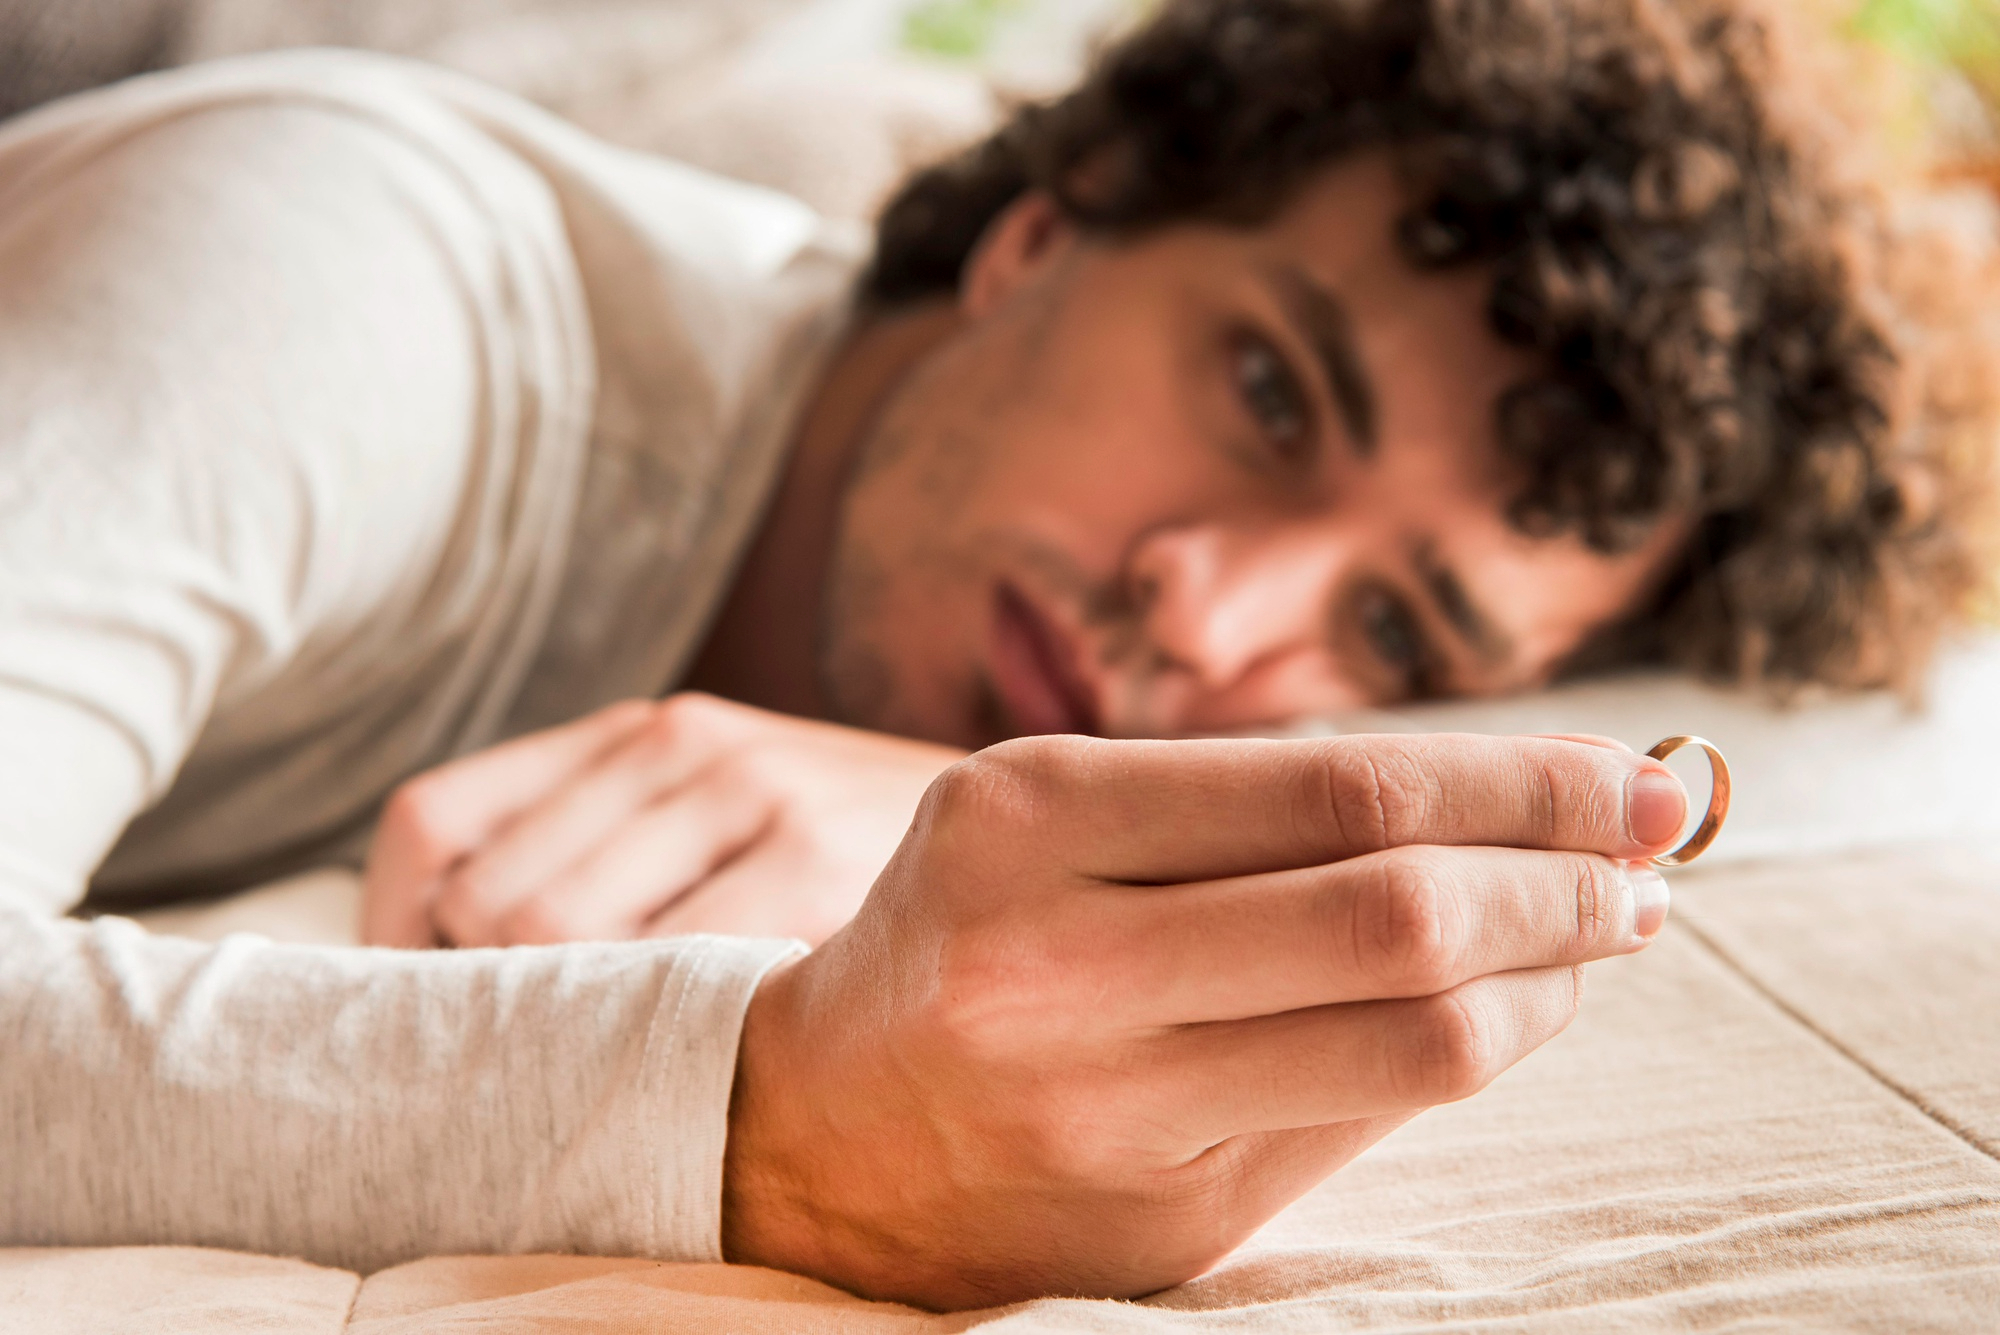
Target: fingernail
{"type": "Point", "coordinates": [1655, 808]}
{"type": "Point", "coordinates": [1650, 901]}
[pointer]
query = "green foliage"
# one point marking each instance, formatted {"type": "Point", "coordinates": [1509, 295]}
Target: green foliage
{"type": "Point", "coordinates": [956, 29]}
{"type": "Point", "coordinates": [1964, 34]}
{"type": "Point", "coordinates": [1961, 34]}
{"type": "Point", "coordinates": [965, 30]}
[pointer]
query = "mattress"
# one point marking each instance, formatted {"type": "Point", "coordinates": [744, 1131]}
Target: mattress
{"type": "Point", "coordinates": [1786, 1116]}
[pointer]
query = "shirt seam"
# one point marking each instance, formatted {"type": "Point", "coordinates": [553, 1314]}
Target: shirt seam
{"type": "Point", "coordinates": [690, 968]}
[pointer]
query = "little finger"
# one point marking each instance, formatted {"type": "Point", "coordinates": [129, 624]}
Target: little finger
{"type": "Point", "coordinates": [1371, 1059]}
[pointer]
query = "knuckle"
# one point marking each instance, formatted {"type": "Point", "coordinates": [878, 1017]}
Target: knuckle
{"type": "Point", "coordinates": [1038, 764]}
{"type": "Point", "coordinates": [1378, 792]}
{"type": "Point", "coordinates": [1582, 797]}
{"type": "Point", "coordinates": [958, 793]}
{"type": "Point", "coordinates": [1549, 806]}
{"type": "Point", "coordinates": [1598, 901]}
{"type": "Point", "coordinates": [672, 723]}
{"type": "Point", "coordinates": [753, 769]}
{"type": "Point", "coordinates": [1450, 1056]}
{"type": "Point", "coordinates": [628, 713]}
{"type": "Point", "coordinates": [1352, 796]}
{"type": "Point", "coordinates": [662, 735]}
{"type": "Point", "coordinates": [545, 920]}
{"type": "Point", "coordinates": [414, 805]}
{"type": "Point", "coordinates": [464, 904]}
{"type": "Point", "coordinates": [419, 812]}
{"type": "Point", "coordinates": [1406, 930]}
{"type": "Point", "coordinates": [1002, 786]}
{"type": "Point", "coordinates": [688, 717]}
{"type": "Point", "coordinates": [694, 704]}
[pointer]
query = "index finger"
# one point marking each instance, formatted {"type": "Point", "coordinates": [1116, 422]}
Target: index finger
{"type": "Point", "coordinates": [1170, 812]}
{"type": "Point", "coordinates": [439, 818]}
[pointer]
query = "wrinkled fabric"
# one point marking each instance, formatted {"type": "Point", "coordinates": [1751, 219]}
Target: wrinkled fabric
{"type": "Point", "coordinates": [1778, 1119]}
{"type": "Point", "coordinates": [354, 417]}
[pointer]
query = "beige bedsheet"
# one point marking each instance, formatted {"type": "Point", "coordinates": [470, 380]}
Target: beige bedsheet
{"type": "Point", "coordinates": [1786, 1117]}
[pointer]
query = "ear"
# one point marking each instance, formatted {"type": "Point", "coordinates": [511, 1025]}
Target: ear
{"type": "Point", "coordinates": [1019, 246]}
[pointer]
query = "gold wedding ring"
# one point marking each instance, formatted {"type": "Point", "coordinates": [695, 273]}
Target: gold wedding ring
{"type": "Point", "coordinates": [1718, 801]}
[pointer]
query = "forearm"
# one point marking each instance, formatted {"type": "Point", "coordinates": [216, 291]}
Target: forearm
{"type": "Point", "coordinates": [363, 1108]}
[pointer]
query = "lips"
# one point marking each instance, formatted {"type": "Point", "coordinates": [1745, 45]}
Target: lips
{"type": "Point", "coordinates": [1035, 671]}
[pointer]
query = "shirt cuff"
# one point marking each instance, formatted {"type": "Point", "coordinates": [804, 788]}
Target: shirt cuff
{"type": "Point", "coordinates": [667, 1140]}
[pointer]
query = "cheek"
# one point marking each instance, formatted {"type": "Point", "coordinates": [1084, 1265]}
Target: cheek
{"type": "Point", "coordinates": [1089, 493]}
{"type": "Point", "coordinates": [1103, 450]}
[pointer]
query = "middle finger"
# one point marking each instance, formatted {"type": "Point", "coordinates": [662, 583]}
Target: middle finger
{"type": "Point", "coordinates": [648, 864]}
{"type": "Point", "coordinates": [1409, 922]}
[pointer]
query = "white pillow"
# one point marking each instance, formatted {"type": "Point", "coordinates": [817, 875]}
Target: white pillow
{"type": "Point", "coordinates": [1833, 777]}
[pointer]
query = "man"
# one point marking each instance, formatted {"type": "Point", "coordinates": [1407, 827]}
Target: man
{"type": "Point", "coordinates": [1310, 355]}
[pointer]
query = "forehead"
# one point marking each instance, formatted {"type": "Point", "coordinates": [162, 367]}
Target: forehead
{"type": "Point", "coordinates": [1341, 224]}
{"type": "Point", "coordinates": [1345, 214]}
{"type": "Point", "coordinates": [1341, 229]}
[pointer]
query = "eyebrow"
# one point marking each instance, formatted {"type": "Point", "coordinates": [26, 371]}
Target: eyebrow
{"type": "Point", "coordinates": [1479, 630]}
{"type": "Point", "coordinates": [1329, 328]}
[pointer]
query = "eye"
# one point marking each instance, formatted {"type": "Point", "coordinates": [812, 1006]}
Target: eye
{"type": "Point", "coordinates": [1397, 640]}
{"type": "Point", "coordinates": [1273, 394]}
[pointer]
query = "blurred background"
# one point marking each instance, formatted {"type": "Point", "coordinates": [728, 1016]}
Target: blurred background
{"type": "Point", "coordinates": [56, 46]}
{"type": "Point", "coordinates": [829, 97]}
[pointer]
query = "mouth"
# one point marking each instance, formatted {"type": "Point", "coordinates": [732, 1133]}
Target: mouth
{"type": "Point", "coordinates": [1035, 671]}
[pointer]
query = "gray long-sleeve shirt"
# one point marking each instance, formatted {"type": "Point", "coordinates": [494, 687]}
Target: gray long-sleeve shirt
{"type": "Point", "coordinates": [354, 417]}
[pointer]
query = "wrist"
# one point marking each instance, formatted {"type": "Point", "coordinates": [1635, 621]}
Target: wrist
{"type": "Point", "coordinates": [765, 1216]}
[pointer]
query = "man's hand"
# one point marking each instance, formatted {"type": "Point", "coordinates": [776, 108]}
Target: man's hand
{"type": "Point", "coordinates": [1113, 1005]}
{"type": "Point", "coordinates": [648, 818]}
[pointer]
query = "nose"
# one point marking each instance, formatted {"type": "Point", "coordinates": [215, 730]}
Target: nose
{"type": "Point", "coordinates": [1220, 603]}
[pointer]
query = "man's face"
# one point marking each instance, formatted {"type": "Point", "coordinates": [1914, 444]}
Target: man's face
{"type": "Point", "coordinates": [1206, 480]}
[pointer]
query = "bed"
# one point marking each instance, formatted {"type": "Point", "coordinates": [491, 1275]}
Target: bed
{"type": "Point", "coordinates": [1784, 1117]}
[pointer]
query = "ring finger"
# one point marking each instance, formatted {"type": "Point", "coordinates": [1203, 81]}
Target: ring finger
{"type": "Point", "coordinates": [1405, 923]}
{"type": "Point", "coordinates": [648, 863]}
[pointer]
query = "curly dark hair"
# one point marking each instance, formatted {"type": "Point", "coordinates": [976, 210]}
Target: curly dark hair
{"type": "Point", "coordinates": [1732, 322]}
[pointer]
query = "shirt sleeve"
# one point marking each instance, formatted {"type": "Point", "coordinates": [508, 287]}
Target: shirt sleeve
{"type": "Point", "coordinates": [364, 1108]}
{"type": "Point", "coordinates": [234, 355]}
